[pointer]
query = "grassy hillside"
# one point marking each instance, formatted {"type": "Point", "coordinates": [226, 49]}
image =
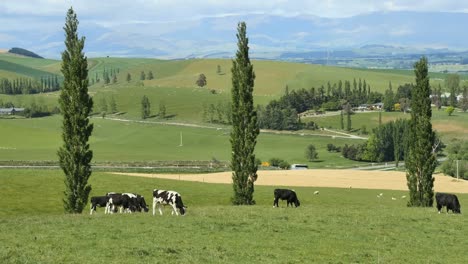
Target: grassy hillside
{"type": "Point", "coordinates": [47, 65]}
{"type": "Point", "coordinates": [338, 225]}
{"type": "Point", "coordinates": [174, 86]}
{"type": "Point", "coordinates": [38, 139]}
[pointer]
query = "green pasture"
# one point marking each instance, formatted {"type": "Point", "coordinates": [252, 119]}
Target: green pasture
{"type": "Point", "coordinates": [336, 226]}
{"type": "Point", "coordinates": [38, 139]}
{"type": "Point", "coordinates": [182, 104]}
{"type": "Point", "coordinates": [32, 62]}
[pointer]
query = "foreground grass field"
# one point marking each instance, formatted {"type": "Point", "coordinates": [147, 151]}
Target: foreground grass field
{"type": "Point", "coordinates": [336, 226]}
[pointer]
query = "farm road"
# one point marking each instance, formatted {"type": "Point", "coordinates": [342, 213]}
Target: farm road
{"type": "Point", "coordinates": [332, 133]}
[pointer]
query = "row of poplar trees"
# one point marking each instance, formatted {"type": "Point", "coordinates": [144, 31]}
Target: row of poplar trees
{"type": "Point", "coordinates": [75, 154]}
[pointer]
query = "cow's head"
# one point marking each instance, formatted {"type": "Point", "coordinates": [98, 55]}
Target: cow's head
{"type": "Point", "coordinates": [142, 205]}
{"type": "Point", "coordinates": [297, 203]}
{"type": "Point", "coordinates": [457, 210]}
{"type": "Point", "coordinates": [182, 210]}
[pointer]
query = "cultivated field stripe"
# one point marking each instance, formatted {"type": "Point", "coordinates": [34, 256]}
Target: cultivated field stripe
{"type": "Point", "coordinates": [386, 180]}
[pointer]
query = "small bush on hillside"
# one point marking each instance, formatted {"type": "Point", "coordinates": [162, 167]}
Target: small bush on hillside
{"type": "Point", "coordinates": [311, 125]}
{"type": "Point", "coordinates": [280, 163]}
{"type": "Point", "coordinates": [354, 152]}
{"type": "Point", "coordinates": [311, 152]}
{"type": "Point", "coordinates": [449, 110]}
{"type": "Point", "coordinates": [333, 148]}
{"type": "Point", "coordinates": [284, 165]}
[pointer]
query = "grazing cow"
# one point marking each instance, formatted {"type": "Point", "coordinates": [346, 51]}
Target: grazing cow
{"type": "Point", "coordinates": [100, 201]}
{"type": "Point", "coordinates": [127, 202]}
{"type": "Point", "coordinates": [448, 200]}
{"type": "Point", "coordinates": [162, 197]}
{"type": "Point", "coordinates": [141, 203]}
{"type": "Point", "coordinates": [285, 194]}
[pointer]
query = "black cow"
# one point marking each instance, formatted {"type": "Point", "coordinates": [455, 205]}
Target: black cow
{"type": "Point", "coordinates": [285, 194]}
{"type": "Point", "coordinates": [100, 201]}
{"type": "Point", "coordinates": [162, 197]}
{"type": "Point", "coordinates": [449, 200]}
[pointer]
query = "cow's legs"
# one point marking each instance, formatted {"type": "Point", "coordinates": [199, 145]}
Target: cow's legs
{"type": "Point", "coordinates": [275, 202]}
{"type": "Point", "coordinates": [160, 208]}
{"type": "Point", "coordinates": [106, 209]}
{"type": "Point", "coordinates": [174, 209]}
{"type": "Point", "coordinates": [91, 212]}
{"type": "Point", "coordinates": [154, 206]}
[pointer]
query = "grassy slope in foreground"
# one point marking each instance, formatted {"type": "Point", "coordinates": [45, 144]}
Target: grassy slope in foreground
{"type": "Point", "coordinates": [338, 225]}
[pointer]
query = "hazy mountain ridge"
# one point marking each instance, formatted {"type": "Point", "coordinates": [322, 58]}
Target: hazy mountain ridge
{"type": "Point", "coordinates": [386, 36]}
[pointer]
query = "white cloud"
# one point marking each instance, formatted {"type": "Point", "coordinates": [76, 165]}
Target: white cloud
{"type": "Point", "coordinates": [163, 10]}
{"type": "Point", "coordinates": [146, 24]}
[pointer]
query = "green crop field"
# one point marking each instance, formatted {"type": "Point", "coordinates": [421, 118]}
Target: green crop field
{"type": "Point", "coordinates": [39, 139]}
{"type": "Point", "coordinates": [336, 226]}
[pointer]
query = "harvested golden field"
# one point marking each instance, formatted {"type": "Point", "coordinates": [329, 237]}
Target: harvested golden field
{"type": "Point", "coordinates": [390, 180]}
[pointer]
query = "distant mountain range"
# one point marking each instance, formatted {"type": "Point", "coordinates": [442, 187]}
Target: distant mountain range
{"type": "Point", "coordinates": [393, 36]}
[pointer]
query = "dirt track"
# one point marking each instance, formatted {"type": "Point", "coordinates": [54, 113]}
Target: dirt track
{"type": "Point", "coordinates": [323, 178]}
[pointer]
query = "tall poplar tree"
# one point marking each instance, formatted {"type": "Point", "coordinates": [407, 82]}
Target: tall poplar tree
{"type": "Point", "coordinates": [420, 161]}
{"type": "Point", "coordinates": [244, 123]}
{"type": "Point", "coordinates": [75, 105]}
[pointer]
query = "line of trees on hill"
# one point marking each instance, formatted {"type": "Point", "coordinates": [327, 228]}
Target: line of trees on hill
{"type": "Point", "coordinates": [220, 113]}
{"type": "Point", "coordinates": [388, 142]}
{"type": "Point", "coordinates": [107, 76]}
{"type": "Point", "coordinates": [401, 99]}
{"type": "Point", "coordinates": [282, 114]}
{"type": "Point", "coordinates": [29, 86]}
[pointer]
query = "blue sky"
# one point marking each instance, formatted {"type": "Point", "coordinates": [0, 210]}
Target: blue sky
{"type": "Point", "coordinates": [171, 28]}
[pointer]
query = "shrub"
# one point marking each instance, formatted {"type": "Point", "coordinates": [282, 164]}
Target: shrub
{"type": "Point", "coordinates": [284, 165]}
{"type": "Point", "coordinates": [276, 162]}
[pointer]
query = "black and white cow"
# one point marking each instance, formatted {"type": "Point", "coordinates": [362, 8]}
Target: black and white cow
{"type": "Point", "coordinates": [126, 202]}
{"type": "Point", "coordinates": [100, 201]}
{"type": "Point", "coordinates": [448, 200]}
{"type": "Point", "coordinates": [141, 203]}
{"type": "Point", "coordinates": [285, 194]}
{"type": "Point", "coordinates": [162, 197]}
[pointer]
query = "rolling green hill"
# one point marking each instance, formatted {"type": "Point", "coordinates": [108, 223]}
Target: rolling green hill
{"type": "Point", "coordinates": [174, 86]}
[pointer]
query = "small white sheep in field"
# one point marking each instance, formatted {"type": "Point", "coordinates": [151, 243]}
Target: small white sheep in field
{"type": "Point", "coordinates": [316, 192]}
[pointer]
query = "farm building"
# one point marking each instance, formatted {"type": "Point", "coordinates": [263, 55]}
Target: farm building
{"type": "Point", "coordinates": [10, 111]}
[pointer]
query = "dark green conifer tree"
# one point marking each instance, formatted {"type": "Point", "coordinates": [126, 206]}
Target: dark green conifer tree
{"type": "Point", "coordinates": [75, 105]}
{"type": "Point", "coordinates": [244, 123]}
{"type": "Point", "coordinates": [145, 107]}
{"type": "Point", "coordinates": [420, 161]}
